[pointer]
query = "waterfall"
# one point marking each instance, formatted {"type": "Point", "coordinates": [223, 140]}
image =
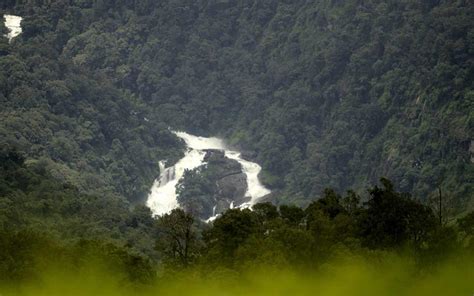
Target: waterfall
{"type": "Point", "coordinates": [13, 23]}
{"type": "Point", "coordinates": [167, 176]}
{"type": "Point", "coordinates": [162, 166]}
{"type": "Point", "coordinates": [163, 198]}
{"type": "Point", "coordinates": [255, 189]}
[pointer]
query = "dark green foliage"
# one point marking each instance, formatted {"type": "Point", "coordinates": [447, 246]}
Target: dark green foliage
{"type": "Point", "coordinates": [329, 204]}
{"type": "Point", "coordinates": [23, 255]}
{"type": "Point", "coordinates": [466, 223]}
{"type": "Point", "coordinates": [196, 192]}
{"type": "Point", "coordinates": [266, 211]}
{"type": "Point", "coordinates": [326, 93]}
{"type": "Point", "coordinates": [292, 215]}
{"type": "Point", "coordinates": [88, 132]}
{"type": "Point", "coordinates": [306, 238]}
{"type": "Point", "coordinates": [466, 226]}
{"type": "Point", "coordinates": [178, 240]}
{"type": "Point", "coordinates": [393, 219]}
{"type": "Point", "coordinates": [32, 200]}
{"type": "Point", "coordinates": [229, 231]}
{"type": "Point", "coordinates": [27, 255]}
{"type": "Point", "coordinates": [118, 240]}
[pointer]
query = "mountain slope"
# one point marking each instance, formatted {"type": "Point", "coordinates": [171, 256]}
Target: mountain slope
{"type": "Point", "coordinates": [328, 94]}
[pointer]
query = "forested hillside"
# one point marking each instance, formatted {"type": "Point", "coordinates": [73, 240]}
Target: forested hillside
{"type": "Point", "coordinates": [328, 93]}
{"type": "Point", "coordinates": [331, 98]}
{"type": "Point", "coordinates": [85, 130]}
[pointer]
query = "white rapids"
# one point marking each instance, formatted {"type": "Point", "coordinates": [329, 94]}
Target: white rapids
{"type": "Point", "coordinates": [13, 24]}
{"type": "Point", "coordinates": [162, 198]}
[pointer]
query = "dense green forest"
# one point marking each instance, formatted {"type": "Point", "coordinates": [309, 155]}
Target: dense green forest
{"type": "Point", "coordinates": [56, 241]}
{"type": "Point", "coordinates": [323, 94]}
{"type": "Point", "coordinates": [327, 94]}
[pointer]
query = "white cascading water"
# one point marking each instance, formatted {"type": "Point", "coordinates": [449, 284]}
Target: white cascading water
{"type": "Point", "coordinates": [13, 23]}
{"type": "Point", "coordinates": [163, 198]}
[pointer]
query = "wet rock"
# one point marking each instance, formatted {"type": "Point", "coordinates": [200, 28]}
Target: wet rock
{"type": "Point", "coordinates": [214, 155]}
{"type": "Point", "coordinates": [232, 188]}
{"type": "Point", "coordinates": [231, 182]}
{"type": "Point", "coordinates": [248, 155]}
{"type": "Point", "coordinates": [221, 165]}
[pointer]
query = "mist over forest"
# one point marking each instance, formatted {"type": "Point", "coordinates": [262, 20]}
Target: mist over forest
{"type": "Point", "coordinates": [236, 147]}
